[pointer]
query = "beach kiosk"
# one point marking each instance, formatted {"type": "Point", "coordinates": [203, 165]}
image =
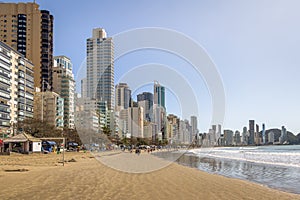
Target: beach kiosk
{"type": "Point", "coordinates": [22, 143]}
{"type": "Point", "coordinates": [48, 146]}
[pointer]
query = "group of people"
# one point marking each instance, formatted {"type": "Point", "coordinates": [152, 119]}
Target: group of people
{"type": "Point", "coordinates": [137, 151]}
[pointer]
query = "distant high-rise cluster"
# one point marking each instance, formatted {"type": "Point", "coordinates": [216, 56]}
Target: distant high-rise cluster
{"type": "Point", "coordinates": [36, 85]}
{"type": "Point", "coordinates": [115, 109]}
{"type": "Point", "coordinates": [249, 136]}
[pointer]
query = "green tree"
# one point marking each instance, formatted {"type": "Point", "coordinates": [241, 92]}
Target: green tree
{"type": "Point", "coordinates": [106, 130]}
{"type": "Point", "coordinates": [71, 135]}
{"type": "Point", "coordinates": [37, 128]}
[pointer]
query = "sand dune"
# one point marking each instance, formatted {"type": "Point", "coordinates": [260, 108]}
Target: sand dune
{"type": "Point", "coordinates": [90, 179]}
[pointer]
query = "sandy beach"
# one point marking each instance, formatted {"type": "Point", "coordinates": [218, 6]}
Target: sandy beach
{"type": "Point", "coordinates": [43, 177]}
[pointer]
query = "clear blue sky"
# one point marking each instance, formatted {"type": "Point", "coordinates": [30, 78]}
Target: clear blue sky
{"type": "Point", "coordinates": [255, 45]}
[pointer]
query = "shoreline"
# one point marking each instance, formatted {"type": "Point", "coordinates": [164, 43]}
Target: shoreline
{"type": "Point", "coordinates": [87, 178]}
{"type": "Point", "coordinates": [226, 159]}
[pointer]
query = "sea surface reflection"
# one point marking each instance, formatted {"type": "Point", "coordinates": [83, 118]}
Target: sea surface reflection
{"type": "Point", "coordinates": [284, 178]}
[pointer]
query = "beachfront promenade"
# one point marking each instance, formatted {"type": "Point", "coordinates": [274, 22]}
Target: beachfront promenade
{"type": "Point", "coordinates": [44, 177]}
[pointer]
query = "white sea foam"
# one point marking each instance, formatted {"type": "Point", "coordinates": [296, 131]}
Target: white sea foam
{"type": "Point", "coordinates": [252, 154]}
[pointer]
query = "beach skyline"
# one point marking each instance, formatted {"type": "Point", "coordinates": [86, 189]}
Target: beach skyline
{"type": "Point", "coordinates": [253, 45]}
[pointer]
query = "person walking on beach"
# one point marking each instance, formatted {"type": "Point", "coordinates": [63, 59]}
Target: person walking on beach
{"type": "Point", "coordinates": [58, 149]}
{"type": "Point", "coordinates": [139, 152]}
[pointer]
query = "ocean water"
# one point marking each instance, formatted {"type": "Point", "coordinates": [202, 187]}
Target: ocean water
{"type": "Point", "coordinates": [273, 166]}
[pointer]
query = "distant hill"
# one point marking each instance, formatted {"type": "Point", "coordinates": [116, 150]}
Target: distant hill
{"type": "Point", "coordinates": [292, 139]}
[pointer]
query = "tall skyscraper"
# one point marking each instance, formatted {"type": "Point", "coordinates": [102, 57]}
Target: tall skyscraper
{"type": "Point", "coordinates": [64, 85]}
{"type": "Point", "coordinates": [251, 140]}
{"type": "Point", "coordinates": [145, 100]}
{"type": "Point", "coordinates": [194, 125]}
{"type": "Point", "coordinates": [100, 67]}
{"type": "Point", "coordinates": [271, 137]}
{"type": "Point", "coordinates": [257, 135]}
{"type": "Point", "coordinates": [237, 138]}
{"type": "Point", "coordinates": [159, 95]}
{"type": "Point", "coordinates": [30, 31]}
{"type": "Point", "coordinates": [83, 88]}
{"type": "Point", "coordinates": [173, 128]}
{"type": "Point", "coordinates": [245, 136]}
{"type": "Point", "coordinates": [283, 136]}
{"type": "Point", "coordinates": [159, 119]}
{"type": "Point", "coordinates": [264, 133]}
{"type": "Point", "coordinates": [228, 136]}
{"type": "Point", "coordinates": [219, 131]}
{"type": "Point", "coordinates": [136, 122]}
{"type": "Point", "coordinates": [123, 96]}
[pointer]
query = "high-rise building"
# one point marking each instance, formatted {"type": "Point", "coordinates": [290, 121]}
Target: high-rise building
{"type": "Point", "coordinates": [136, 122]}
{"type": "Point", "coordinates": [185, 130]}
{"type": "Point", "coordinates": [257, 135]}
{"type": "Point", "coordinates": [219, 132]}
{"type": "Point", "coordinates": [102, 111]}
{"type": "Point", "coordinates": [190, 138]}
{"type": "Point", "coordinates": [123, 123]}
{"type": "Point", "coordinates": [182, 132]}
{"type": "Point", "coordinates": [283, 136]}
{"type": "Point", "coordinates": [237, 138]}
{"type": "Point", "coordinates": [86, 115]}
{"type": "Point", "coordinates": [159, 95]}
{"type": "Point", "coordinates": [145, 100]}
{"type": "Point", "coordinates": [228, 136]}
{"type": "Point", "coordinates": [271, 137]}
{"type": "Point", "coordinates": [194, 129]}
{"type": "Point", "coordinates": [64, 85]}
{"type": "Point", "coordinates": [173, 128]}
{"type": "Point", "coordinates": [194, 125]}
{"type": "Point", "coordinates": [100, 67]}
{"type": "Point", "coordinates": [17, 87]}
{"type": "Point", "coordinates": [212, 136]}
{"type": "Point", "coordinates": [123, 96]}
{"type": "Point", "coordinates": [214, 128]}
{"type": "Point", "coordinates": [251, 140]}
{"type": "Point", "coordinates": [263, 133]}
{"type": "Point", "coordinates": [149, 130]}
{"type": "Point", "coordinates": [245, 136]}
{"type": "Point", "coordinates": [159, 118]}
{"type": "Point", "coordinates": [83, 88]}
{"type": "Point", "coordinates": [30, 31]}
{"type": "Point", "coordinates": [49, 108]}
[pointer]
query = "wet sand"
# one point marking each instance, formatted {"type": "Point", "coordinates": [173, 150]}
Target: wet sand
{"type": "Point", "coordinates": [44, 177]}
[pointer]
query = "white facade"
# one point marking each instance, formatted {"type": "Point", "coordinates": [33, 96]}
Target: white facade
{"type": "Point", "coordinates": [271, 138]}
{"type": "Point", "coordinates": [86, 116]}
{"type": "Point", "coordinates": [159, 118]}
{"type": "Point", "coordinates": [16, 88]}
{"type": "Point", "coordinates": [123, 96]}
{"type": "Point", "coordinates": [100, 68]}
{"type": "Point", "coordinates": [64, 85]}
{"type": "Point", "coordinates": [136, 122]}
{"type": "Point", "coordinates": [194, 125]}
